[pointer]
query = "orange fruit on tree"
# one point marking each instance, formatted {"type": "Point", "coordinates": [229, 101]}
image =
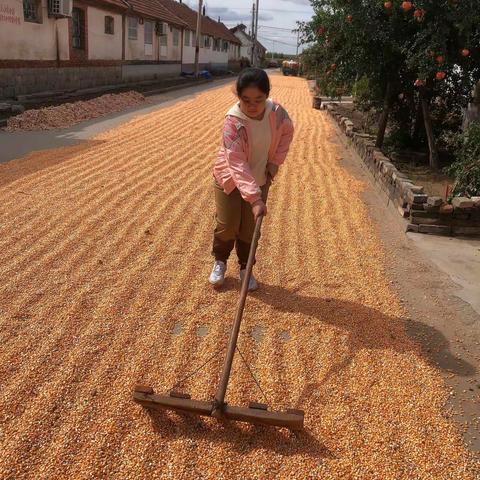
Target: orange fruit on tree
{"type": "Point", "coordinates": [465, 52]}
{"type": "Point", "coordinates": [440, 59]}
{"type": "Point", "coordinates": [418, 14]}
{"type": "Point", "coordinates": [388, 5]}
{"type": "Point", "coordinates": [407, 6]}
{"type": "Point", "coordinates": [440, 75]}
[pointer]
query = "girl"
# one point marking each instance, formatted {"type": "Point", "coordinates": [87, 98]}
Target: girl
{"type": "Point", "coordinates": [256, 137]}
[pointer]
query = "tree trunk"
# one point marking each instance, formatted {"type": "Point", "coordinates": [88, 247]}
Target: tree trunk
{"type": "Point", "coordinates": [382, 124]}
{"type": "Point", "coordinates": [417, 127]}
{"type": "Point", "coordinates": [472, 113]}
{"type": "Point", "coordinates": [432, 146]}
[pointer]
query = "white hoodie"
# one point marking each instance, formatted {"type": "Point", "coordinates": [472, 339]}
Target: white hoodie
{"type": "Point", "coordinates": [261, 140]}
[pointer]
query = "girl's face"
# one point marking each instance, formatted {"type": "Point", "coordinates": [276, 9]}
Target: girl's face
{"type": "Point", "coordinates": [253, 102]}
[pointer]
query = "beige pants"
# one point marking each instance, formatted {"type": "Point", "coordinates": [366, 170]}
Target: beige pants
{"type": "Point", "coordinates": [235, 224]}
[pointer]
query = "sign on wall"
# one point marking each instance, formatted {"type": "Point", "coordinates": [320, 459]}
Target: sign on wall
{"type": "Point", "coordinates": [8, 14]}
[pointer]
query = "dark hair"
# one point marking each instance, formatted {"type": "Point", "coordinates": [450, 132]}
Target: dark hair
{"type": "Point", "coordinates": [253, 77]}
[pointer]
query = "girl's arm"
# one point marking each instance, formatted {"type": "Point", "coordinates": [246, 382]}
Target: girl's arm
{"type": "Point", "coordinates": [285, 138]}
{"type": "Point", "coordinates": [236, 159]}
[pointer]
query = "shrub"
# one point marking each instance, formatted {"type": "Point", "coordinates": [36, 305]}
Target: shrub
{"type": "Point", "coordinates": [466, 168]}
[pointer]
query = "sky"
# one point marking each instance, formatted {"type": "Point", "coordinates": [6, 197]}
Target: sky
{"type": "Point", "coordinates": [276, 19]}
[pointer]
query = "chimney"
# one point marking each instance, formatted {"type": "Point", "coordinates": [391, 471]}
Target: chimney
{"type": "Point", "coordinates": [204, 10]}
{"type": "Point", "coordinates": [218, 19]}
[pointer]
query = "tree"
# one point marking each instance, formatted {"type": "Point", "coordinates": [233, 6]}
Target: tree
{"type": "Point", "coordinates": [409, 53]}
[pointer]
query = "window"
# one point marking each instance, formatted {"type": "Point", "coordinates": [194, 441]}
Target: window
{"type": "Point", "coordinates": [132, 28]}
{"type": "Point", "coordinates": [109, 25]}
{"type": "Point", "coordinates": [216, 44]}
{"type": "Point", "coordinates": [78, 28]}
{"type": "Point", "coordinates": [187, 38]}
{"type": "Point", "coordinates": [32, 11]}
{"type": "Point", "coordinates": [206, 41]}
{"type": "Point", "coordinates": [176, 37]}
{"type": "Point", "coordinates": [148, 30]}
{"type": "Point", "coordinates": [225, 46]}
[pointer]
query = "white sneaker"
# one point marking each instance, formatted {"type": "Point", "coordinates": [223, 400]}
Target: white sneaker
{"type": "Point", "coordinates": [217, 277]}
{"type": "Point", "coordinates": [253, 284]}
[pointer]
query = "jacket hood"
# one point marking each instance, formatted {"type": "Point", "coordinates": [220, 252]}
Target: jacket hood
{"type": "Point", "coordinates": [236, 112]}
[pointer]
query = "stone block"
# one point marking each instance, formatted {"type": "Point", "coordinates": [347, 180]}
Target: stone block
{"type": "Point", "coordinates": [422, 213]}
{"type": "Point", "coordinates": [466, 230]}
{"type": "Point", "coordinates": [416, 197]}
{"type": "Point", "coordinates": [435, 201]}
{"type": "Point", "coordinates": [462, 202]}
{"type": "Point", "coordinates": [416, 189]}
{"type": "Point", "coordinates": [425, 220]}
{"type": "Point", "coordinates": [431, 208]}
{"type": "Point", "coordinates": [461, 214]}
{"type": "Point", "coordinates": [446, 209]}
{"type": "Point", "coordinates": [435, 229]}
{"type": "Point", "coordinates": [397, 176]}
{"type": "Point", "coordinates": [412, 228]}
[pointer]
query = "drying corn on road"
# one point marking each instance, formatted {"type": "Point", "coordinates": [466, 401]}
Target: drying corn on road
{"type": "Point", "coordinates": [104, 259]}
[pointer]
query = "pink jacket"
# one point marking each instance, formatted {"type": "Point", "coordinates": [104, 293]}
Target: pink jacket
{"type": "Point", "coordinates": [231, 168]}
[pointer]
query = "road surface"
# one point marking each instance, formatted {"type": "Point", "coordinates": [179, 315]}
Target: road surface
{"type": "Point", "coordinates": [104, 259]}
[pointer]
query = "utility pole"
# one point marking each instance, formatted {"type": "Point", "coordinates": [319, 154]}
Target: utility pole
{"type": "Point", "coordinates": [253, 34]}
{"type": "Point", "coordinates": [298, 40]}
{"type": "Point", "coordinates": [256, 30]}
{"type": "Point", "coordinates": [197, 39]}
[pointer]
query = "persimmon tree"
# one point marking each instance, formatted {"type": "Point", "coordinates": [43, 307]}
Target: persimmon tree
{"type": "Point", "coordinates": [414, 55]}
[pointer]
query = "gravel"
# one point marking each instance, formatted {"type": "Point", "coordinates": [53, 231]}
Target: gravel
{"type": "Point", "coordinates": [104, 260]}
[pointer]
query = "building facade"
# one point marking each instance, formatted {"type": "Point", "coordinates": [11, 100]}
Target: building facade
{"type": "Point", "coordinates": [58, 45]}
{"type": "Point", "coordinates": [240, 31]}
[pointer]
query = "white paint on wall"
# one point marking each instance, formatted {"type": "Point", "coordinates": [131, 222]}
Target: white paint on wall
{"type": "Point", "coordinates": [101, 45]}
{"type": "Point", "coordinates": [21, 40]}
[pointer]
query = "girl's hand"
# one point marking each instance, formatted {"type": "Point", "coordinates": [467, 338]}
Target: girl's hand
{"type": "Point", "coordinates": [272, 170]}
{"type": "Point", "coordinates": [259, 208]}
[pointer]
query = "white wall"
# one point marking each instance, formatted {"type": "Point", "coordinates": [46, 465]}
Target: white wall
{"type": "Point", "coordinates": [103, 46]}
{"type": "Point", "coordinates": [20, 40]}
{"type": "Point", "coordinates": [135, 49]}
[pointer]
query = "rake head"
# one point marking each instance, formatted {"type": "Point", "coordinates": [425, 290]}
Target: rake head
{"type": "Point", "coordinates": [255, 413]}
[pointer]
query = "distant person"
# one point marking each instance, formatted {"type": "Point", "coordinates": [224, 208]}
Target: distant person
{"type": "Point", "coordinates": [256, 138]}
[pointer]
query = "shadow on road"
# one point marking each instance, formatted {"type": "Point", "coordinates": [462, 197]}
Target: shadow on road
{"type": "Point", "coordinates": [242, 437]}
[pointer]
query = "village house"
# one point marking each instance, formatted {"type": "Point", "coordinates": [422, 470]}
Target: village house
{"type": "Point", "coordinates": [219, 48]}
{"type": "Point", "coordinates": [57, 45]}
{"type": "Point", "coordinates": [240, 31]}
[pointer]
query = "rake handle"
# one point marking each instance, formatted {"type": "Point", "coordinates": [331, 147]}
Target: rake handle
{"type": "Point", "coordinates": [219, 401]}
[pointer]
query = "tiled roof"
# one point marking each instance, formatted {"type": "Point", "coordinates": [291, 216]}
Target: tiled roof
{"type": "Point", "coordinates": [221, 31]}
{"type": "Point", "coordinates": [114, 3]}
{"type": "Point", "coordinates": [209, 26]}
{"type": "Point", "coordinates": [155, 9]}
{"type": "Point", "coordinates": [239, 28]}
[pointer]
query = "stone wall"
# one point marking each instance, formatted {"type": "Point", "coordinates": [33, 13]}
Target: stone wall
{"type": "Point", "coordinates": [425, 214]}
{"type": "Point", "coordinates": [16, 82]}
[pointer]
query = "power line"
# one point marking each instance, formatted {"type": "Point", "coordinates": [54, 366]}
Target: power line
{"type": "Point", "coordinates": [277, 28]}
{"type": "Point", "coordinates": [278, 41]}
{"type": "Point", "coordinates": [273, 10]}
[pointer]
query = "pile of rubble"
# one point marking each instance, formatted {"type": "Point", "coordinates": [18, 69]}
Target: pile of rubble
{"type": "Point", "coordinates": [68, 114]}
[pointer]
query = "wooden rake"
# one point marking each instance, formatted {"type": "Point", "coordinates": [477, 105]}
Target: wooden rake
{"type": "Point", "coordinates": [256, 413]}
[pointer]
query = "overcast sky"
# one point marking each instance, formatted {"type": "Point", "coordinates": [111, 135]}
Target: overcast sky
{"type": "Point", "coordinates": [274, 15]}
